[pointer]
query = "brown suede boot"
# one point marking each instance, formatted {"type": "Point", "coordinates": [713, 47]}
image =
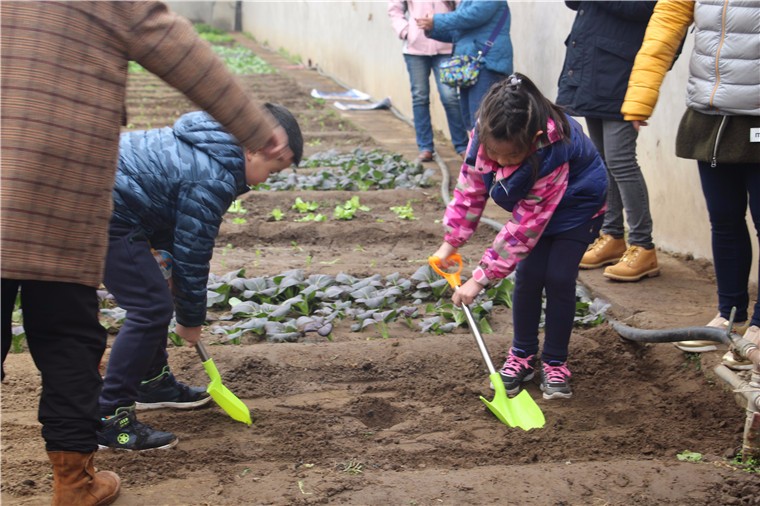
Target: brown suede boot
{"type": "Point", "coordinates": [605, 250]}
{"type": "Point", "coordinates": [76, 482]}
{"type": "Point", "coordinates": [636, 263]}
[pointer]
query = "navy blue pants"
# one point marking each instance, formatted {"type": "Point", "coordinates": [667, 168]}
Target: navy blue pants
{"type": "Point", "coordinates": [551, 266]}
{"type": "Point", "coordinates": [66, 341]}
{"type": "Point", "coordinates": [727, 189]}
{"type": "Point", "coordinates": [139, 351]}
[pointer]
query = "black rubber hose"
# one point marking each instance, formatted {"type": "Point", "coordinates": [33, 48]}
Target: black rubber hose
{"type": "Point", "coordinates": [671, 335]}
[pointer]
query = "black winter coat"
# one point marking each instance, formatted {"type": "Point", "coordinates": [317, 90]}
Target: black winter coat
{"type": "Point", "coordinates": [601, 47]}
{"type": "Point", "coordinates": [175, 184]}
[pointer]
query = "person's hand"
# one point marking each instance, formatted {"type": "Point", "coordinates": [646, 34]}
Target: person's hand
{"type": "Point", "coordinates": [638, 124]}
{"type": "Point", "coordinates": [466, 293]}
{"type": "Point", "coordinates": [425, 23]}
{"type": "Point", "coordinates": [191, 335]}
{"type": "Point", "coordinates": [276, 147]}
{"type": "Point", "coordinates": [443, 253]}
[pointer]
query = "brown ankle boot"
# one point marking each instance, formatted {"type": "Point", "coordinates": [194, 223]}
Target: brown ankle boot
{"type": "Point", "coordinates": [636, 263]}
{"type": "Point", "coordinates": [75, 481]}
{"type": "Point", "coordinates": [605, 250]}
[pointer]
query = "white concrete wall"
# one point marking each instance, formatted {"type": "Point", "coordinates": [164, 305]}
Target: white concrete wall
{"type": "Point", "coordinates": [220, 14]}
{"type": "Point", "coordinates": [353, 42]}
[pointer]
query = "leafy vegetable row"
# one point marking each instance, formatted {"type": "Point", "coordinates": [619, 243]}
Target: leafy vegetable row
{"type": "Point", "coordinates": [358, 170]}
{"type": "Point", "coordinates": [284, 307]}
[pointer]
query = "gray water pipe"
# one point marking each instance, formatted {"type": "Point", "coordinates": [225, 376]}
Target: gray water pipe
{"type": "Point", "coordinates": [750, 390]}
{"type": "Point", "coordinates": [671, 335]}
{"type": "Point", "coordinates": [743, 348]}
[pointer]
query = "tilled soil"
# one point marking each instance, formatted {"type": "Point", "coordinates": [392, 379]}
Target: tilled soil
{"type": "Point", "coordinates": [367, 419]}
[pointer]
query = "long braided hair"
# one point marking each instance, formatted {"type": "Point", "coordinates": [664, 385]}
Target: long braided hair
{"type": "Point", "coordinates": [514, 110]}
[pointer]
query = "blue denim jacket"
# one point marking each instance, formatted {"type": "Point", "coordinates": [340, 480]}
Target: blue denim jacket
{"type": "Point", "coordinates": [470, 25]}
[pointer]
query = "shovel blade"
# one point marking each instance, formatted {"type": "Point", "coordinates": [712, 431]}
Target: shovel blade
{"type": "Point", "coordinates": [519, 411]}
{"type": "Point", "coordinates": [224, 397]}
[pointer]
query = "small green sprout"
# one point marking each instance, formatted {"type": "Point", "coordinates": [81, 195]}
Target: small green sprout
{"type": "Point", "coordinates": [348, 209]}
{"type": "Point", "coordinates": [312, 217]}
{"type": "Point", "coordinates": [237, 207]}
{"type": "Point", "coordinates": [687, 456]}
{"type": "Point", "coordinates": [305, 207]}
{"type": "Point", "coordinates": [404, 212]}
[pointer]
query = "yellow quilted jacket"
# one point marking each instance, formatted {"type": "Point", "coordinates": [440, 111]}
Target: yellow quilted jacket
{"type": "Point", "coordinates": [664, 34]}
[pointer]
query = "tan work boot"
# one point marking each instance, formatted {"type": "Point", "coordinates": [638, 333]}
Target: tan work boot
{"type": "Point", "coordinates": [733, 362]}
{"type": "Point", "coordinates": [605, 250]}
{"type": "Point", "coordinates": [636, 263]}
{"type": "Point", "coordinates": [698, 346]}
{"type": "Point", "coordinates": [75, 481]}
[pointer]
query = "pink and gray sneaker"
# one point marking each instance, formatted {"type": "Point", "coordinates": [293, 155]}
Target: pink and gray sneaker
{"type": "Point", "coordinates": [555, 380]}
{"type": "Point", "coordinates": [518, 368]}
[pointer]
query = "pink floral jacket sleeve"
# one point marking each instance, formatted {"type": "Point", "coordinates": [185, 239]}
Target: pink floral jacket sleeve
{"type": "Point", "coordinates": [523, 230]}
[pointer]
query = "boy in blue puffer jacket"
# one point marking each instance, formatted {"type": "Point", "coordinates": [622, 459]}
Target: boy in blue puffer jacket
{"type": "Point", "coordinates": [172, 188]}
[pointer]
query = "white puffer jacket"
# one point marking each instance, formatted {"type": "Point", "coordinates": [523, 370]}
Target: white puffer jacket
{"type": "Point", "coordinates": [724, 69]}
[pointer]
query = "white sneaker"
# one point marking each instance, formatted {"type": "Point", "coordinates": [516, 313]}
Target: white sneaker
{"type": "Point", "coordinates": [733, 362]}
{"type": "Point", "coordinates": [699, 346]}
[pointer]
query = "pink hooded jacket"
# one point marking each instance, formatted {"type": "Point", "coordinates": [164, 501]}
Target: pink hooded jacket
{"type": "Point", "coordinates": [415, 41]}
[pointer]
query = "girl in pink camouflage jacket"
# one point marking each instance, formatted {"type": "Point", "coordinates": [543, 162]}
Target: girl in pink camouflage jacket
{"type": "Point", "coordinates": [535, 162]}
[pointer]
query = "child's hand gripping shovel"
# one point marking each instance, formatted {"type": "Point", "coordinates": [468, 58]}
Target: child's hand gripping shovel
{"type": "Point", "coordinates": [519, 411]}
{"type": "Point", "coordinates": [220, 393]}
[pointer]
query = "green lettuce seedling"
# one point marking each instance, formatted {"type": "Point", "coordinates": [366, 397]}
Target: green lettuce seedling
{"type": "Point", "coordinates": [404, 212]}
{"type": "Point", "coordinates": [348, 209]}
{"type": "Point", "coordinates": [305, 207]}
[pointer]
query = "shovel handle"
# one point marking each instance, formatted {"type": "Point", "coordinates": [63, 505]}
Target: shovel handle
{"type": "Point", "coordinates": [202, 351]}
{"type": "Point", "coordinates": [478, 338]}
{"type": "Point", "coordinates": [455, 280]}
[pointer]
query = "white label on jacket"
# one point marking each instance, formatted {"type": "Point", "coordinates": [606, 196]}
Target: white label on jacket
{"type": "Point", "coordinates": [754, 135]}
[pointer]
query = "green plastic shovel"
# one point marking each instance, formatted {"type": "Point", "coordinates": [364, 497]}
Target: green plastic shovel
{"type": "Point", "coordinates": [220, 393]}
{"type": "Point", "coordinates": [519, 411]}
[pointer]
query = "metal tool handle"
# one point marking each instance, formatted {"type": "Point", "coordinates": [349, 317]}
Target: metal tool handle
{"type": "Point", "coordinates": [454, 279]}
{"type": "Point", "coordinates": [478, 338]}
{"type": "Point", "coordinates": [202, 351]}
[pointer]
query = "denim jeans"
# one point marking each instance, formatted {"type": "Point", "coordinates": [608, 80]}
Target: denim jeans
{"type": "Point", "coordinates": [727, 188]}
{"type": "Point", "coordinates": [133, 277]}
{"type": "Point", "coordinates": [471, 97]}
{"type": "Point", "coordinates": [616, 142]}
{"type": "Point", "coordinates": [419, 68]}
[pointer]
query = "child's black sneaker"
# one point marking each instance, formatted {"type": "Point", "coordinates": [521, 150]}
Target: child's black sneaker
{"type": "Point", "coordinates": [164, 391]}
{"type": "Point", "coordinates": [122, 431]}
{"type": "Point", "coordinates": [518, 368]}
{"type": "Point", "coordinates": [555, 380]}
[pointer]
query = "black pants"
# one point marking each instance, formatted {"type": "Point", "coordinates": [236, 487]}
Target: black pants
{"type": "Point", "coordinates": [139, 351]}
{"type": "Point", "coordinates": [552, 266]}
{"type": "Point", "coordinates": [66, 342]}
